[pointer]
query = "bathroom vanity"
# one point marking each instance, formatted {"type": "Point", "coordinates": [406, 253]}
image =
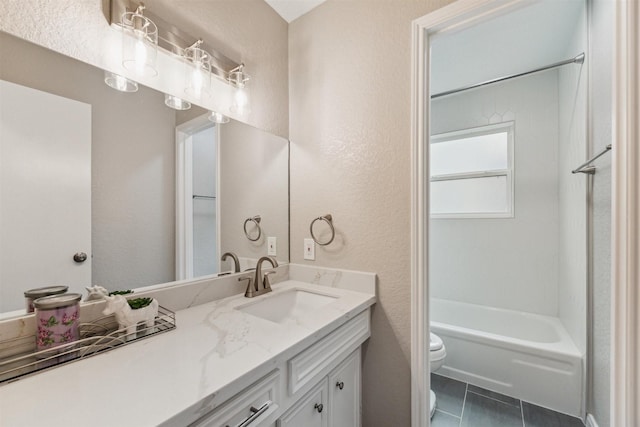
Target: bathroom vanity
{"type": "Point", "coordinates": [287, 358]}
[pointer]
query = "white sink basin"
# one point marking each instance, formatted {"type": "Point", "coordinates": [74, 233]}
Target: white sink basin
{"type": "Point", "coordinates": [291, 304]}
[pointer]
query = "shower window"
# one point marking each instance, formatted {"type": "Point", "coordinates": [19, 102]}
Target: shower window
{"type": "Point", "coordinates": [472, 173]}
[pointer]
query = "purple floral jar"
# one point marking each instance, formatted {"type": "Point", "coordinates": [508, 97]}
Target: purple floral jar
{"type": "Point", "coordinates": [57, 319]}
{"type": "Point", "coordinates": [34, 294]}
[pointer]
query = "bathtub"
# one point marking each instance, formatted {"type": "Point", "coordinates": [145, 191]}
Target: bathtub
{"type": "Point", "coordinates": [527, 356]}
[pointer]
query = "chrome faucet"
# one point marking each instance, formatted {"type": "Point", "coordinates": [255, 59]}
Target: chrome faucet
{"type": "Point", "coordinates": [253, 285]}
{"type": "Point", "coordinates": [236, 261]}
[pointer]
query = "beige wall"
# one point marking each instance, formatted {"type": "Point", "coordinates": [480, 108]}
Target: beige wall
{"type": "Point", "coordinates": [349, 85]}
{"type": "Point", "coordinates": [246, 31]}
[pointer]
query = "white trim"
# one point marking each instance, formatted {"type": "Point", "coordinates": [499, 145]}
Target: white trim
{"type": "Point", "coordinates": [625, 299]}
{"type": "Point", "coordinates": [219, 196]}
{"type": "Point", "coordinates": [420, 381]}
{"type": "Point", "coordinates": [591, 421]}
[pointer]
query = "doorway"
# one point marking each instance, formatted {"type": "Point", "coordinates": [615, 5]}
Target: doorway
{"type": "Point", "coordinates": [198, 212]}
{"type": "Point", "coordinates": [458, 16]}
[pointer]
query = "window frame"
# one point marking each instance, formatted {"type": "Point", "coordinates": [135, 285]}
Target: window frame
{"type": "Point", "coordinates": [509, 127]}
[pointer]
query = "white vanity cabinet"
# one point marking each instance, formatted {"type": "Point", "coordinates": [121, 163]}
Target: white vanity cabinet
{"type": "Point", "coordinates": [310, 411]}
{"type": "Point", "coordinates": [318, 387]}
{"type": "Point", "coordinates": [345, 393]}
{"type": "Point", "coordinates": [333, 402]}
{"type": "Point", "coordinates": [250, 408]}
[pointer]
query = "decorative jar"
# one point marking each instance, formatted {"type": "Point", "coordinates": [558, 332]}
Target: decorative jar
{"type": "Point", "coordinates": [57, 320]}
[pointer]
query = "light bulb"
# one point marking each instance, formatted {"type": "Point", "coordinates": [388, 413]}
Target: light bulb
{"type": "Point", "coordinates": [139, 44]}
{"type": "Point", "coordinates": [197, 81]}
{"type": "Point", "coordinates": [240, 101]}
{"type": "Point", "coordinates": [140, 55]}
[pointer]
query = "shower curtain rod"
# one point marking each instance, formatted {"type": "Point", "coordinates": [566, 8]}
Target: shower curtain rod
{"type": "Point", "coordinates": [579, 59]}
{"type": "Point", "coordinates": [585, 168]}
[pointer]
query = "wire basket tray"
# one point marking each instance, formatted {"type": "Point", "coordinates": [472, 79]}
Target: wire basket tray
{"type": "Point", "coordinates": [18, 357]}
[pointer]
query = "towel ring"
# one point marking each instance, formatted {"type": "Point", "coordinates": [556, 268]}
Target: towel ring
{"type": "Point", "coordinates": [256, 220]}
{"type": "Point", "coordinates": [329, 220]}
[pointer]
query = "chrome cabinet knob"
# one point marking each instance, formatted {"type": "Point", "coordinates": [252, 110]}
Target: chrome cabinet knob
{"type": "Point", "coordinates": [80, 257]}
{"type": "Point", "coordinates": [319, 407]}
{"type": "Point", "coordinates": [340, 385]}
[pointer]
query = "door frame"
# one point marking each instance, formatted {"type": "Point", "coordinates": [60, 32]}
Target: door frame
{"type": "Point", "coordinates": [184, 193]}
{"type": "Point", "coordinates": [625, 301]}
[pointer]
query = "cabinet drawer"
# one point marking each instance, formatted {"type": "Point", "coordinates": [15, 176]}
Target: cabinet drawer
{"type": "Point", "coordinates": [304, 367]}
{"type": "Point", "coordinates": [247, 409]}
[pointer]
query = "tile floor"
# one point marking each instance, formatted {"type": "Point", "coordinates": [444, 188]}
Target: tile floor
{"type": "Point", "coordinates": [460, 404]}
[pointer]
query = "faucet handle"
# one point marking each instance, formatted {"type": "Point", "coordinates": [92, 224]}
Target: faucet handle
{"type": "Point", "coordinates": [267, 281]}
{"type": "Point", "coordinates": [250, 288]}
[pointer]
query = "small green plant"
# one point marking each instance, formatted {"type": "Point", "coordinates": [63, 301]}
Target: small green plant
{"type": "Point", "coordinates": [128, 291]}
{"type": "Point", "coordinates": [137, 303]}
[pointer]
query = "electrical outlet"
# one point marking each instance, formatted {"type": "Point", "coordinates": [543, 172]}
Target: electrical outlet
{"type": "Point", "coordinates": [309, 249]}
{"type": "Point", "coordinates": [271, 246]}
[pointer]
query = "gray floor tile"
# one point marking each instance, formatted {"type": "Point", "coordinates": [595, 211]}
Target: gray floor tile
{"type": "Point", "coordinates": [449, 394]}
{"type": "Point", "coordinates": [497, 396]}
{"type": "Point", "coordinates": [480, 411]}
{"type": "Point", "coordinates": [536, 416]}
{"type": "Point", "coordinates": [441, 419]}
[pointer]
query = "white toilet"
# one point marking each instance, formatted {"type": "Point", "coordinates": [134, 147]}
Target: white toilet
{"type": "Point", "coordinates": [437, 354]}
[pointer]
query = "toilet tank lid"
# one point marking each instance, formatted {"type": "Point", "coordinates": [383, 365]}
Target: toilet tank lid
{"type": "Point", "coordinates": [435, 343]}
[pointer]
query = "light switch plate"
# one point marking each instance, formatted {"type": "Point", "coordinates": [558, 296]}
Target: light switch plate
{"type": "Point", "coordinates": [271, 246]}
{"type": "Point", "coordinates": [309, 249]}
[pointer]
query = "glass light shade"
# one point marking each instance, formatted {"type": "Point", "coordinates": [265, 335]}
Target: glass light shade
{"type": "Point", "coordinates": [240, 103]}
{"type": "Point", "coordinates": [197, 72]}
{"type": "Point", "coordinates": [120, 83]}
{"type": "Point", "coordinates": [139, 44]}
{"type": "Point", "coordinates": [176, 103]}
{"type": "Point", "coordinates": [218, 118]}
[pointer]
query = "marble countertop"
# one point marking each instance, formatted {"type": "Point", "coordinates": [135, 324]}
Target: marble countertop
{"type": "Point", "coordinates": [214, 352]}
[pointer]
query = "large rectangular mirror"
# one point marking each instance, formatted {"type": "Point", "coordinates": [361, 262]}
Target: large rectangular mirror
{"type": "Point", "coordinates": [150, 194]}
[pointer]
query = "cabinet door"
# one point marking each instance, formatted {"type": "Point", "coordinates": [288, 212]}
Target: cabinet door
{"type": "Point", "coordinates": [344, 393]}
{"type": "Point", "coordinates": [310, 411]}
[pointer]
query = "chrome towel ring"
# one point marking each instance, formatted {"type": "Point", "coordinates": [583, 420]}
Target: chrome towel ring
{"type": "Point", "coordinates": [329, 220]}
{"type": "Point", "coordinates": [256, 220]}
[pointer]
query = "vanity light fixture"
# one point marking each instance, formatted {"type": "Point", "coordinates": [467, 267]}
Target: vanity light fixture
{"type": "Point", "coordinates": [204, 68]}
{"type": "Point", "coordinates": [197, 71]}
{"type": "Point", "coordinates": [139, 43]}
{"type": "Point", "coordinates": [218, 118]}
{"type": "Point", "coordinates": [238, 79]}
{"type": "Point", "coordinates": [120, 83]}
{"type": "Point", "coordinates": [176, 103]}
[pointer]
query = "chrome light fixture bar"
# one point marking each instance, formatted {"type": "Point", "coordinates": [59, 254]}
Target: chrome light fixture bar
{"type": "Point", "coordinates": [170, 38]}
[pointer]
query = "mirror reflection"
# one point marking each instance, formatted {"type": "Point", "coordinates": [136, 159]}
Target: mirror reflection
{"type": "Point", "coordinates": [148, 193]}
